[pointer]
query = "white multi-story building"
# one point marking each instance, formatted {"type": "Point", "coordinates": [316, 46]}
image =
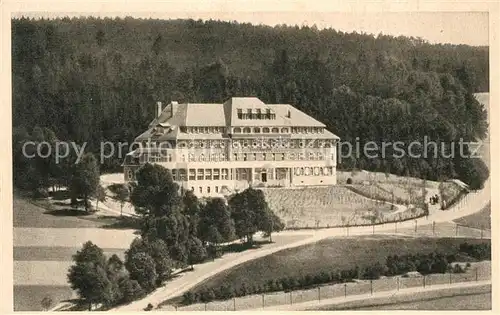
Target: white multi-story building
{"type": "Point", "coordinates": [215, 149]}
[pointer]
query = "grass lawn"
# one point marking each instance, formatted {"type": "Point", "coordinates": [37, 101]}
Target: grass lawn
{"type": "Point", "coordinates": [473, 298]}
{"type": "Point", "coordinates": [462, 302]}
{"type": "Point", "coordinates": [55, 253]}
{"type": "Point", "coordinates": [446, 229]}
{"type": "Point", "coordinates": [27, 214]}
{"type": "Point", "coordinates": [29, 297]}
{"type": "Point", "coordinates": [328, 255]}
{"type": "Point", "coordinates": [46, 235]}
{"type": "Point", "coordinates": [481, 219]}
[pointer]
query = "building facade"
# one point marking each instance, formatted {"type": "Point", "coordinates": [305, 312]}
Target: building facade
{"type": "Point", "coordinates": [216, 149]}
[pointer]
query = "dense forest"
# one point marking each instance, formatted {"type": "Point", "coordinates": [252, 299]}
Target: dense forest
{"type": "Point", "coordinates": [92, 80]}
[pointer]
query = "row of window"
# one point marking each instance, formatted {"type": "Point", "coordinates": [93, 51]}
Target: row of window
{"type": "Point", "coordinates": [308, 130]}
{"type": "Point", "coordinates": [210, 174]}
{"type": "Point", "coordinates": [313, 171]}
{"type": "Point", "coordinates": [221, 157]}
{"type": "Point", "coordinates": [282, 143]}
{"type": "Point", "coordinates": [305, 130]}
{"type": "Point", "coordinates": [203, 130]}
{"type": "Point", "coordinates": [207, 189]}
{"type": "Point", "coordinates": [201, 144]}
{"type": "Point", "coordinates": [258, 143]}
{"type": "Point", "coordinates": [222, 130]}
{"type": "Point", "coordinates": [200, 174]}
{"type": "Point", "coordinates": [291, 156]}
{"type": "Point", "coordinates": [257, 114]}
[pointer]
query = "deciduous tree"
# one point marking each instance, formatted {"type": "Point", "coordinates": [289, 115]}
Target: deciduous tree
{"type": "Point", "coordinates": [85, 179]}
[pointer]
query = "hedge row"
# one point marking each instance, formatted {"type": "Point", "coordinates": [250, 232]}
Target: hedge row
{"type": "Point", "coordinates": [394, 265]}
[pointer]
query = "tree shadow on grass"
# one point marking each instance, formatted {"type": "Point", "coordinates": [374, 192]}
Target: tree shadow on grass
{"type": "Point", "coordinates": [120, 223]}
{"type": "Point", "coordinates": [76, 305]}
{"type": "Point", "coordinates": [60, 195]}
{"type": "Point", "coordinates": [68, 213]}
{"type": "Point", "coordinates": [240, 247]}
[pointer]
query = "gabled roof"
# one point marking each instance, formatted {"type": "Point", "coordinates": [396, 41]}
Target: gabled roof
{"type": "Point", "coordinates": [297, 118]}
{"type": "Point", "coordinates": [206, 115]}
{"type": "Point", "coordinates": [226, 115]}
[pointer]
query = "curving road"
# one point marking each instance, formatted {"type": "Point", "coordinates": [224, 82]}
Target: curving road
{"type": "Point", "coordinates": [473, 202]}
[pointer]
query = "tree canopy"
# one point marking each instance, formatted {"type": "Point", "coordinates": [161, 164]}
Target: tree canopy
{"type": "Point", "coordinates": [93, 80]}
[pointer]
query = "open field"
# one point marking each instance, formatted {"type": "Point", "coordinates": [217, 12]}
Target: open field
{"type": "Point", "coordinates": [36, 237]}
{"type": "Point", "coordinates": [471, 298]}
{"type": "Point", "coordinates": [328, 255]}
{"type": "Point", "coordinates": [27, 214]}
{"type": "Point", "coordinates": [445, 229]}
{"type": "Point", "coordinates": [45, 239]}
{"type": "Point", "coordinates": [479, 220]}
{"type": "Point", "coordinates": [29, 297]}
{"type": "Point", "coordinates": [330, 206]}
{"type": "Point", "coordinates": [363, 177]}
{"type": "Point", "coordinates": [462, 302]}
{"type": "Point", "coordinates": [58, 214]}
{"type": "Point", "coordinates": [54, 253]}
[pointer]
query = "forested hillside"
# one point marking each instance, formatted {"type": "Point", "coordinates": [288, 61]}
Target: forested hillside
{"type": "Point", "coordinates": [97, 80]}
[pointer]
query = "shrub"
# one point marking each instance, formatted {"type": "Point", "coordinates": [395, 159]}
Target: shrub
{"type": "Point", "coordinates": [188, 298]}
{"type": "Point", "coordinates": [293, 283]}
{"type": "Point", "coordinates": [278, 286]}
{"type": "Point", "coordinates": [458, 269]}
{"type": "Point", "coordinates": [207, 296]}
{"type": "Point", "coordinates": [225, 292]}
{"type": "Point", "coordinates": [478, 251]}
{"type": "Point", "coordinates": [41, 193]}
{"type": "Point", "coordinates": [47, 303]}
{"type": "Point", "coordinates": [149, 307]}
{"type": "Point", "coordinates": [374, 272]}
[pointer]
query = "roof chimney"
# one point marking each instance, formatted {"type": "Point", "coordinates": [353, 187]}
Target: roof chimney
{"type": "Point", "coordinates": [174, 103]}
{"type": "Point", "coordinates": [158, 109]}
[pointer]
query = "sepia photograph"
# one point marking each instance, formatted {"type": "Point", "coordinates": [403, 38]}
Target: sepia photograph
{"type": "Point", "coordinates": [250, 161]}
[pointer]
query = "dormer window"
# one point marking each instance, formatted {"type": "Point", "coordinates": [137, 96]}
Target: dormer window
{"type": "Point", "coordinates": [268, 113]}
{"type": "Point", "coordinates": [159, 130]}
{"type": "Point", "coordinates": [259, 113]}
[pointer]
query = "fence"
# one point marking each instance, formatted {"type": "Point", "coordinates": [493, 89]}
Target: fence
{"type": "Point", "coordinates": [442, 229]}
{"type": "Point", "coordinates": [481, 271]}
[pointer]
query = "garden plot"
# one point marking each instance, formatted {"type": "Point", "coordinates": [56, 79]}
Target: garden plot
{"type": "Point", "coordinates": [330, 206]}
